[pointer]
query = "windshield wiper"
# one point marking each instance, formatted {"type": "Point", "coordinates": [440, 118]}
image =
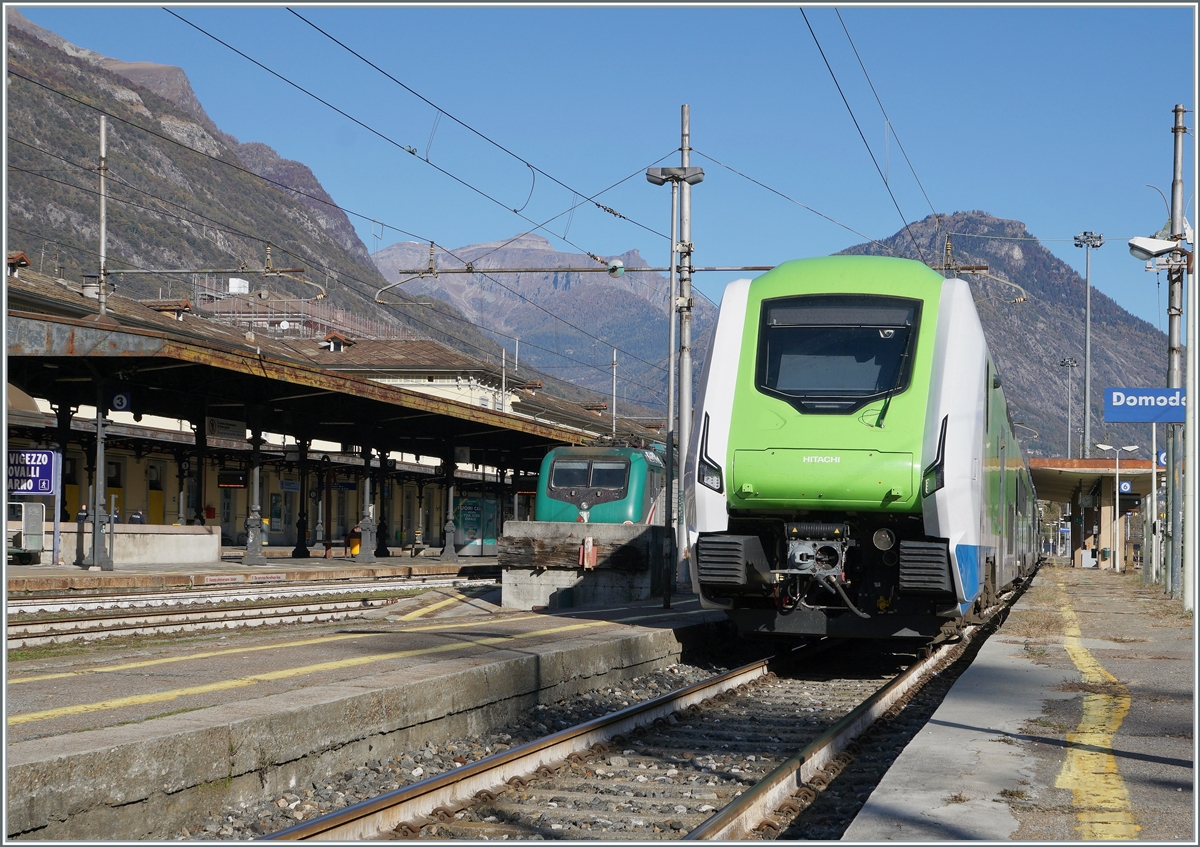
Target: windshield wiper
{"type": "Point", "coordinates": [887, 399]}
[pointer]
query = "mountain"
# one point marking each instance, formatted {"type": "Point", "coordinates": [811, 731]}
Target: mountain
{"type": "Point", "coordinates": [1029, 339]}
{"type": "Point", "coordinates": [181, 193]}
{"type": "Point", "coordinates": [557, 315]}
{"type": "Point", "coordinates": [184, 194]}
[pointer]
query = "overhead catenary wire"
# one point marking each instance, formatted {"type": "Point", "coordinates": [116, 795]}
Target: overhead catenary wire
{"type": "Point", "coordinates": [406, 148]}
{"type": "Point", "coordinates": [326, 202]}
{"type": "Point", "coordinates": [463, 124]}
{"type": "Point", "coordinates": [870, 152]}
{"type": "Point", "coordinates": [779, 193]}
{"type": "Point", "coordinates": [891, 129]}
{"type": "Point", "coordinates": [654, 392]}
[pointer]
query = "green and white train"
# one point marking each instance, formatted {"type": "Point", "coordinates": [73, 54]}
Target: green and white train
{"type": "Point", "coordinates": [852, 469]}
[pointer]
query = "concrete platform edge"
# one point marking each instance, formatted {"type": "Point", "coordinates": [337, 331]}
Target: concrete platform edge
{"type": "Point", "coordinates": [145, 779]}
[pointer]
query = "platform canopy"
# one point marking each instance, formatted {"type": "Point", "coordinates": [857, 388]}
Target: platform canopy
{"type": "Point", "coordinates": [1059, 480]}
{"type": "Point", "coordinates": [195, 369]}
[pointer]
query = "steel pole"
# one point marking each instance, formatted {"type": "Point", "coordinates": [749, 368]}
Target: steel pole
{"type": "Point", "coordinates": [1118, 558]}
{"type": "Point", "coordinates": [669, 516]}
{"type": "Point", "coordinates": [1087, 355]}
{"type": "Point", "coordinates": [1152, 534]}
{"type": "Point", "coordinates": [685, 339]}
{"type": "Point", "coordinates": [1174, 366]}
{"type": "Point", "coordinates": [103, 169]}
{"type": "Point", "coordinates": [1183, 541]}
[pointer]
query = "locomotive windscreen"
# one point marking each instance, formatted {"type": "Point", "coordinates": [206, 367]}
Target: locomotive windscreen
{"type": "Point", "coordinates": [582, 473]}
{"type": "Point", "coordinates": [835, 353]}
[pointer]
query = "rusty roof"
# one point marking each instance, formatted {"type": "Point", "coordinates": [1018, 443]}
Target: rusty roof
{"type": "Point", "coordinates": [196, 367]}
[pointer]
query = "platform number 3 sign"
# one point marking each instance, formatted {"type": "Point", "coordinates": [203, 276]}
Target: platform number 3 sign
{"type": "Point", "coordinates": [120, 402]}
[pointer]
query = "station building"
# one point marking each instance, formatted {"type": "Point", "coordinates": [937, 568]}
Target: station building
{"type": "Point", "coordinates": [199, 394]}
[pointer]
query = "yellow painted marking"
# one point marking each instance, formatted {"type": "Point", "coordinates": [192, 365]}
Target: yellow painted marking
{"type": "Point", "coordinates": [285, 673]}
{"type": "Point", "coordinates": [214, 653]}
{"type": "Point", "coordinates": [419, 612]}
{"type": "Point", "coordinates": [1090, 770]}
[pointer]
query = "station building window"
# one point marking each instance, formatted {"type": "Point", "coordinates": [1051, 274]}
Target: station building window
{"type": "Point", "coordinates": [115, 474]}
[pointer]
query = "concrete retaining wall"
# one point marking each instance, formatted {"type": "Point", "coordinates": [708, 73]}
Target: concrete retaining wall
{"type": "Point", "coordinates": [141, 544]}
{"type": "Point", "coordinates": [540, 561]}
{"type": "Point", "coordinates": [147, 780]}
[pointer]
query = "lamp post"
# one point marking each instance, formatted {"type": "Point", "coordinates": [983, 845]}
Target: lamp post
{"type": "Point", "coordinates": [1068, 363]}
{"type": "Point", "coordinates": [1117, 546]}
{"type": "Point", "coordinates": [1167, 246]}
{"type": "Point", "coordinates": [682, 179]}
{"type": "Point", "coordinates": [1087, 240]}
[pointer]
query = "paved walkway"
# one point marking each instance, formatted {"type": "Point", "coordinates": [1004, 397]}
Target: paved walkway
{"type": "Point", "coordinates": [1075, 722]}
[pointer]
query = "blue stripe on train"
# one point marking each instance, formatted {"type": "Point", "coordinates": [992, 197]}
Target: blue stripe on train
{"type": "Point", "coordinates": [969, 557]}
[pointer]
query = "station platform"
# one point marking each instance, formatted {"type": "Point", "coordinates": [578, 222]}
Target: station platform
{"type": "Point", "coordinates": [1074, 722]}
{"type": "Point", "coordinates": [138, 737]}
{"type": "Point", "coordinates": [279, 567]}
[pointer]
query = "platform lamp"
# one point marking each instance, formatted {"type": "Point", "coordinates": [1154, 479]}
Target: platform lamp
{"type": "Point", "coordinates": [1117, 548]}
{"type": "Point", "coordinates": [1068, 363]}
{"type": "Point", "coordinates": [1087, 240]}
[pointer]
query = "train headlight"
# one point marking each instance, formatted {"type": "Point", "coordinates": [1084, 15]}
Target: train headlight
{"type": "Point", "coordinates": [883, 539]}
{"type": "Point", "coordinates": [709, 475]}
{"type": "Point", "coordinates": [934, 476]}
{"type": "Point", "coordinates": [933, 480]}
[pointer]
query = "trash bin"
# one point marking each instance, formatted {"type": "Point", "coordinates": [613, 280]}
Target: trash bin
{"type": "Point", "coordinates": [1105, 552]}
{"type": "Point", "coordinates": [354, 541]}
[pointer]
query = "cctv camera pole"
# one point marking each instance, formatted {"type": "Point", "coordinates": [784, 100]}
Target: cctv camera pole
{"type": "Point", "coordinates": [1181, 566]}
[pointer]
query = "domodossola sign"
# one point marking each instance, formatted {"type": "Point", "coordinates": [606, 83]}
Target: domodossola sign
{"type": "Point", "coordinates": [1144, 405]}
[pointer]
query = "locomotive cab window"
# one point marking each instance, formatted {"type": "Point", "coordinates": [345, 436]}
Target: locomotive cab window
{"type": "Point", "coordinates": [836, 353]}
{"type": "Point", "coordinates": [581, 473]}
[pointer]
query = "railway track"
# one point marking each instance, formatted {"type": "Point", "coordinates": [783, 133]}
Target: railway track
{"type": "Point", "coordinates": [733, 757]}
{"type": "Point", "coordinates": [32, 623]}
{"type": "Point", "coordinates": [75, 602]}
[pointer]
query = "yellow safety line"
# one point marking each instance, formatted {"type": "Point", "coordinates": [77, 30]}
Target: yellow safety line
{"type": "Point", "coordinates": [286, 673]}
{"type": "Point", "coordinates": [1090, 770]}
{"type": "Point", "coordinates": [426, 610]}
{"type": "Point", "coordinates": [213, 653]}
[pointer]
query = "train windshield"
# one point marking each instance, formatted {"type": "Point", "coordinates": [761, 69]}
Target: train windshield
{"type": "Point", "coordinates": [835, 353]}
{"type": "Point", "coordinates": [580, 473]}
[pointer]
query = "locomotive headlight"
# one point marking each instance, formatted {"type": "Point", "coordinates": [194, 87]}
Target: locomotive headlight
{"type": "Point", "coordinates": [934, 476]}
{"type": "Point", "coordinates": [883, 539]}
{"type": "Point", "coordinates": [709, 474]}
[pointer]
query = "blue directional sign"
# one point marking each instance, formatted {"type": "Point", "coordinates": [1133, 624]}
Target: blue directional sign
{"type": "Point", "coordinates": [1144, 405]}
{"type": "Point", "coordinates": [31, 472]}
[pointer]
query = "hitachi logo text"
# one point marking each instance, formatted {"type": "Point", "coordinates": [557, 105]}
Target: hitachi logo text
{"type": "Point", "coordinates": [824, 459]}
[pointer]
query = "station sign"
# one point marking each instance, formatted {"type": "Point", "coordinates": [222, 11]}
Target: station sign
{"type": "Point", "coordinates": [225, 428]}
{"type": "Point", "coordinates": [31, 472]}
{"type": "Point", "coordinates": [343, 485]}
{"type": "Point", "coordinates": [1144, 405]}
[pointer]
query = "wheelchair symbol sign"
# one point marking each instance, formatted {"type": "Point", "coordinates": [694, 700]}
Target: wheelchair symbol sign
{"type": "Point", "coordinates": [120, 402]}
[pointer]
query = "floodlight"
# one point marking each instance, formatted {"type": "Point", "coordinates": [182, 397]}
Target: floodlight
{"type": "Point", "coordinates": [1143, 248]}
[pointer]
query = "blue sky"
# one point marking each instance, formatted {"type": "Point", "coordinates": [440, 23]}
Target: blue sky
{"type": "Point", "coordinates": [1058, 117]}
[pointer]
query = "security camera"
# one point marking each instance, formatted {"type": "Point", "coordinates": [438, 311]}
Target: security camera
{"type": "Point", "coordinates": [1143, 248]}
{"type": "Point", "coordinates": [616, 268]}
